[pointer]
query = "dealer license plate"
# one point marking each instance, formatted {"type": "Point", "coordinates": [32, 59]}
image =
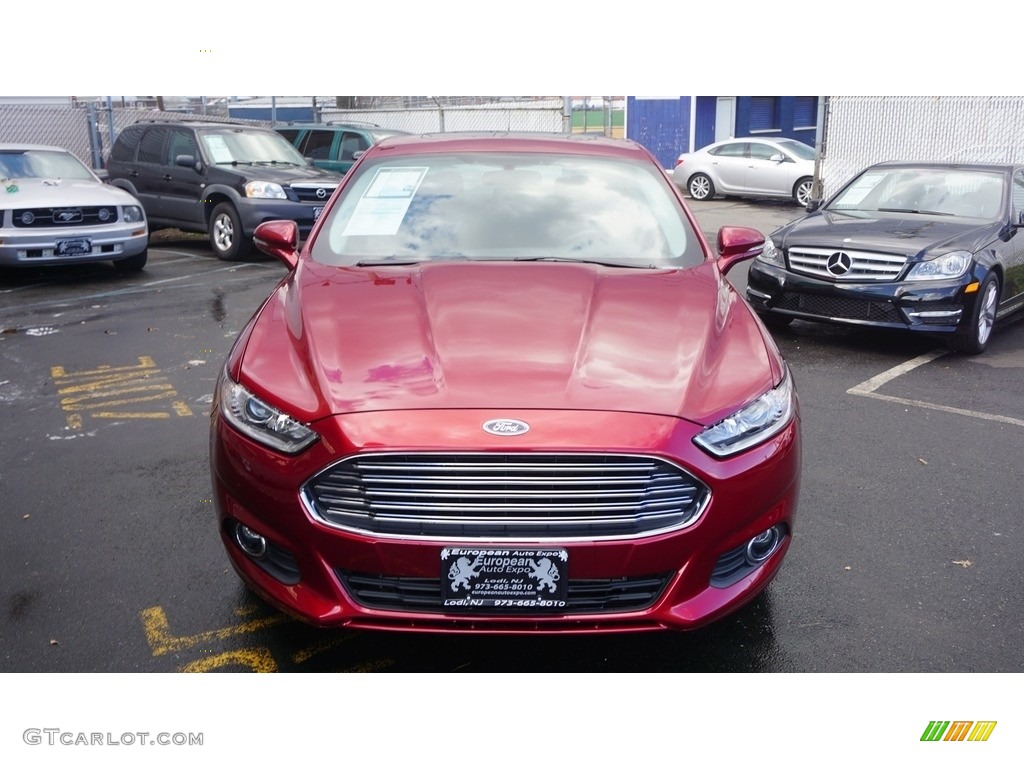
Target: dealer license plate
{"type": "Point", "coordinates": [72, 246]}
{"type": "Point", "coordinates": [527, 579]}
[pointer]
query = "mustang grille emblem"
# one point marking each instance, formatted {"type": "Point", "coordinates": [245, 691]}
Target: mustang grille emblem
{"type": "Point", "coordinates": [67, 215]}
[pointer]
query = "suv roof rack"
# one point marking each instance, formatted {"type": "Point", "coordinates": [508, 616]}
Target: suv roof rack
{"type": "Point", "coordinates": [341, 123]}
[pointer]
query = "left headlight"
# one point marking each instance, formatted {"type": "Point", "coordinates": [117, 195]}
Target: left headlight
{"type": "Point", "coordinates": [951, 265]}
{"type": "Point", "coordinates": [133, 213]}
{"type": "Point", "coordinates": [771, 253]}
{"type": "Point", "coordinates": [266, 189]}
{"type": "Point", "coordinates": [263, 423]}
{"type": "Point", "coordinates": [753, 423]}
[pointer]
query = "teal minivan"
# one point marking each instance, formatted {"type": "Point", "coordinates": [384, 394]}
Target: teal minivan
{"type": "Point", "coordinates": [334, 146]}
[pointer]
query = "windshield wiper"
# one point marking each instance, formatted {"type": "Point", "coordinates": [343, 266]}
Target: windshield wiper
{"type": "Point", "coordinates": [388, 263]}
{"type": "Point", "coordinates": [273, 162]}
{"type": "Point", "coordinates": [235, 162]}
{"type": "Point", "coordinates": [569, 260]}
{"type": "Point", "coordinates": [914, 210]}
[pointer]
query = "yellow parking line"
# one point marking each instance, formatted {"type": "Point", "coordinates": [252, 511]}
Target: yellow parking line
{"type": "Point", "coordinates": [161, 641]}
{"type": "Point", "coordinates": [102, 392]}
{"type": "Point", "coordinates": [143, 415]}
{"type": "Point", "coordinates": [255, 659]}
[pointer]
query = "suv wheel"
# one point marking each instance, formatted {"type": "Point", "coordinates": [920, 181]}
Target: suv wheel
{"type": "Point", "coordinates": [226, 237]}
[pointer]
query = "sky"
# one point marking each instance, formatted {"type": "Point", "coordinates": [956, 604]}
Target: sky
{"type": "Point", "coordinates": [456, 47]}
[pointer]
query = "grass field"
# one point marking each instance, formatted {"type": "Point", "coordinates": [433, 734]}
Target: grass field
{"type": "Point", "coordinates": [587, 120]}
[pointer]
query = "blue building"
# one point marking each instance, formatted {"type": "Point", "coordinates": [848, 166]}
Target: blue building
{"type": "Point", "coordinates": [670, 126]}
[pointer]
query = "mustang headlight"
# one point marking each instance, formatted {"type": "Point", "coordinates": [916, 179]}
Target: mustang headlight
{"type": "Point", "coordinates": [771, 253]}
{"type": "Point", "coordinates": [945, 267]}
{"type": "Point", "coordinates": [265, 189]}
{"type": "Point", "coordinates": [133, 213]}
{"type": "Point", "coordinates": [752, 424]}
{"type": "Point", "coordinates": [263, 423]}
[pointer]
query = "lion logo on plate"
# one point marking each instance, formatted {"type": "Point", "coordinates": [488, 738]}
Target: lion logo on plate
{"type": "Point", "coordinates": [506, 427]}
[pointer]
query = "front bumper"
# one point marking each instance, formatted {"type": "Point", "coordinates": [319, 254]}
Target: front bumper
{"type": "Point", "coordinates": [32, 247]}
{"type": "Point", "coordinates": [678, 579]}
{"type": "Point", "coordinates": [254, 211]}
{"type": "Point", "coordinates": [930, 306]}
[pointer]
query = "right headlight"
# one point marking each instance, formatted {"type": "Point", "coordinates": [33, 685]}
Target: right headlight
{"type": "Point", "coordinates": [263, 423]}
{"type": "Point", "coordinates": [951, 265]}
{"type": "Point", "coordinates": [771, 253]}
{"type": "Point", "coordinates": [753, 423]}
{"type": "Point", "coordinates": [265, 189]}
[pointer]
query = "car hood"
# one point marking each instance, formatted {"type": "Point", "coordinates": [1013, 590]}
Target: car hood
{"type": "Point", "coordinates": [905, 234]}
{"type": "Point", "coordinates": [279, 174]}
{"type": "Point", "coordinates": [505, 336]}
{"type": "Point", "coordinates": [50, 193]}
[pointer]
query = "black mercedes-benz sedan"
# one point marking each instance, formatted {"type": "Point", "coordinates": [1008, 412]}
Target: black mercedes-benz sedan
{"type": "Point", "coordinates": [927, 247]}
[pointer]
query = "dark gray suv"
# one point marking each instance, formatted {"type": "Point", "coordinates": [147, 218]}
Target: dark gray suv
{"type": "Point", "coordinates": [220, 179]}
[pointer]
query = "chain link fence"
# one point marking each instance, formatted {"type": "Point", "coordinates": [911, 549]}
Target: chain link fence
{"type": "Point", "coordinates": [88, 128]}
{"type": "Point", "coordinates": [863, 130]}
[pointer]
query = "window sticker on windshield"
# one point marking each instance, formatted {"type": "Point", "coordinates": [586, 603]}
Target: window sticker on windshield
{"type": "Point", "coordinates": [859, 190]}
{"type": "Point", "coordinates": [383, 205]}
{"type": "Point", "coordinates": [218, 149]}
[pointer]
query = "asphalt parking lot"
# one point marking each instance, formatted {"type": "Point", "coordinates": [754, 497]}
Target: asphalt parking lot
{"type": "Point", "coordinates": [904, 557]}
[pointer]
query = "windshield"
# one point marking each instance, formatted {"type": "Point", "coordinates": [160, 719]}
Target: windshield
{"type": "Point", "coordinates": [250, 147]}
{"type": "Point", "coordinates": [508, 206]}
{"type": "Point", "coordinates": [933, 191]}
{"type": "Point", "coordinates": [41, 164]}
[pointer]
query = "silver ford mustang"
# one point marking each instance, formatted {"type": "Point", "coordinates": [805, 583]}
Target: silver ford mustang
{"type": "Point", "coordinates": [55, 210]}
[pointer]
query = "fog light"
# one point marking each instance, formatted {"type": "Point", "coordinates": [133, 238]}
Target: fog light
{"type": "Point", "coordinates": [761, 547]}
{"type": "Point", "coordinates": [251, 542]}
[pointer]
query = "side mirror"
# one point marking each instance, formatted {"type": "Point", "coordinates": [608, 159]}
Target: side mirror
{"type": "Point", "coordinates": [279, 239]}
{"type": "Point", "coordinates": [189, 161]}
{"type": "Point", "coordinates": [813, 205]}
{"type": "Point", "coordinates": [778, 157]}
{"type": "Point", "coordinates": [736, 244]}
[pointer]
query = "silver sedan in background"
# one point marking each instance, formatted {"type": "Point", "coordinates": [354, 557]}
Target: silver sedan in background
{"type": "Point", "coordinates": [748, 167]}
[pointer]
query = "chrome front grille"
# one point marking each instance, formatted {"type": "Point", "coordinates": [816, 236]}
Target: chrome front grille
{"type": "Point", "coordinates": [857, 265]}
{"type": "Point", "coordinates": [318, 194]}
{"type": "Point", "coordinates": [76, 216]}
{"type": "Point", "coordinates": [505, 496]}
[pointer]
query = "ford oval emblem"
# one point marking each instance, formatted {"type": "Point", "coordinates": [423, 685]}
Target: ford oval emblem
{"type": "Point", "coordinates": [506, 427]}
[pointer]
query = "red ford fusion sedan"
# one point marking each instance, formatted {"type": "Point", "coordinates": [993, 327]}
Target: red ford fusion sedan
{"type": "Point", "coordinates": [506, 387]}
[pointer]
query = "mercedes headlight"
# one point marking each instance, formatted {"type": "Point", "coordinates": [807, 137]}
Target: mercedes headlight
{"type": "Point", "coordinates": [951, 265]}
{"type": "Point", "coordinates": [771, 253]}
{"type": "Point", "coordinates": [265, 189]}
{"type": "Point", "coordinates": [753, 423]}
{"type": "Point", "coordinates": [263, 423]}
